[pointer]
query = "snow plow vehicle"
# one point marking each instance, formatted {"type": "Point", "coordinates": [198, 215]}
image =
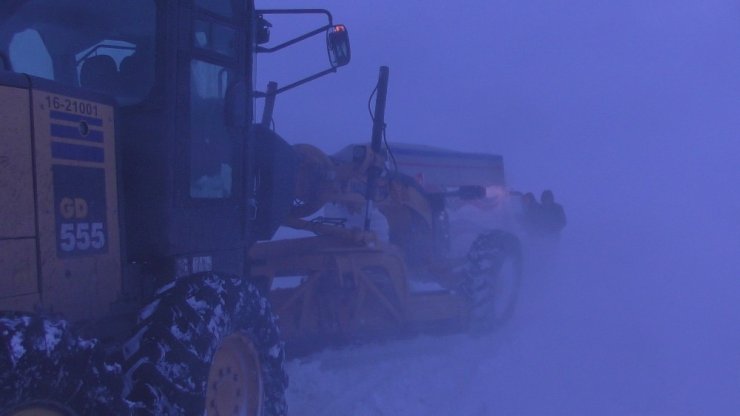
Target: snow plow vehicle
{"type": "Point", "coordinates": [129, 197]}
{"type": "Point", "coordinates": [388, 260]}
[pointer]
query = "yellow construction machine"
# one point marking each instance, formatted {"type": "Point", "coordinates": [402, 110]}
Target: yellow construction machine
{"type": "Point", "coordinates": [133, 181]}
{"type": "Point", "coordinates": [386, 257]}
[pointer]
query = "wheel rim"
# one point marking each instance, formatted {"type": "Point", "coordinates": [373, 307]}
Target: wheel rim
{"type": "Point", "coordinates": [234, 379]}
{"type": "Point", "coordinates": [505, 290]}
{"type": "Point", "coordinates": [41, 409]}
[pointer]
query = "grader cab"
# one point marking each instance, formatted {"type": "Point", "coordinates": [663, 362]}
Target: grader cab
{"type": "Point", "coordinates": [129, 192]}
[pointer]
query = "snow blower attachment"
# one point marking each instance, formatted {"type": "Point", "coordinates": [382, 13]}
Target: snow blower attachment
{"type": "Point", "coordinates": [133, 182]}
{"type": "Point", "coordinates": [382, 261]}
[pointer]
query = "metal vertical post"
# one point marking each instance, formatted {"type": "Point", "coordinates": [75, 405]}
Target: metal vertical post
{"type": "Point", "coordinates": [376, 143]}
{"type": "Point", "coordinates": [269, 103]}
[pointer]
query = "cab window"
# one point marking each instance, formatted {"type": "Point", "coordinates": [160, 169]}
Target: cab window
{"type": "Point", "coordinates": [105, 46]}
{"type": "Point", "coordinates": [214, 75]}
{"type": "Point", "coordinates": [37, 63]}
{"type": "Point", "coordinates": [220, 7]}
{"type": "Point", "coordinates": [214, 36]}
{"type": "Point", "coordinates": [211, 141]}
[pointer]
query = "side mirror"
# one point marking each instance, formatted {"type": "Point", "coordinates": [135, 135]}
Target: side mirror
{"type": "Point", "coordinates": [337, 44]}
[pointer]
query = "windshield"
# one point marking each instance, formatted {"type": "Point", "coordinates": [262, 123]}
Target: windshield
{"type": "Point", "coordinates": [105, 46]}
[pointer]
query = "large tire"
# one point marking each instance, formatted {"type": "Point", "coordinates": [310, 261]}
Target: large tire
{"type": "Point", "coordinates": [43, 365]}
{"type": "Point", "coordinates": [168, 360]}
{"type": "Point", "coordinates": [494, 275]}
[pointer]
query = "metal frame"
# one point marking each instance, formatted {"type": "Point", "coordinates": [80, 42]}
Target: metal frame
{"type": "Point", "coordinates": [297, 39]}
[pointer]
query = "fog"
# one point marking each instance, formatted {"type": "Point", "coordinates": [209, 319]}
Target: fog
{"type": "Point", "coordinates": [628, 110]}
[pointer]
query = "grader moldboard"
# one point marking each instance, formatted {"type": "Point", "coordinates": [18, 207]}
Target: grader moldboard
{"type": "Point", "coordinates": [129, 198]}
{"type": "Point", "coordinates": [346, 284]}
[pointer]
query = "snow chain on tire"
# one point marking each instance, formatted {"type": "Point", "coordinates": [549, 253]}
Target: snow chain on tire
{"type": "Point", "coordinates": [168, 359]}
{"type": "Point", "coordinates": [486, 259]}
{"type": "Point", "coordinates": [42, 363]}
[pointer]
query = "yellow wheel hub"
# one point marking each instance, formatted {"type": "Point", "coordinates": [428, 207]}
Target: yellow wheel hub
{"type": "Point", "coordinates": [234, 380]}
{"type": "Point", "coordinates": [41, 409]}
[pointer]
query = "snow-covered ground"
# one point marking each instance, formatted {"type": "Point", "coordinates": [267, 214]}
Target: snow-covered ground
{"type": "Point", "coordinates": [628, 110]}
{"type": "Point", "coordinates": [606, 329]}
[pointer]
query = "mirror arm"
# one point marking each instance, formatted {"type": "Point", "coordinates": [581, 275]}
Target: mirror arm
{"type": "Point", "coordinates": [297, 11]}
{"type": "Point", "coordinates": [260, 94]}
{"type": "Point", "coordinates": [262, 49]}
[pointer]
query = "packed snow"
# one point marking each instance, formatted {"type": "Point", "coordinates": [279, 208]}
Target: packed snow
{"type": "Point", "coordinates": [593, 334]}
{"type": "Point", "coordinates": [52, 336]}
{"type": "Point", "coordinates": [16, 347]}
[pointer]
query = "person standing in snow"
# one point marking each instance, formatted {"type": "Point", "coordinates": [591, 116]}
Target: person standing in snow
{"type": "Point", "coordinates": [551, 214]}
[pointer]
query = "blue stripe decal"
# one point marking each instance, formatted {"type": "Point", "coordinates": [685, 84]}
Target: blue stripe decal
{"type": "Point", "coordinates": [73, 132]}
{"type": "Point", "coordinates": [58, 115]}
{"type": "Point", "coordinates": [76, 152]}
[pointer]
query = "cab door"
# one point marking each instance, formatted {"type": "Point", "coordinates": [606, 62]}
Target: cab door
{"type": "Point", "coordinates": [18, 237]}
{"type": "Point", "coordinates": [212, 119]}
